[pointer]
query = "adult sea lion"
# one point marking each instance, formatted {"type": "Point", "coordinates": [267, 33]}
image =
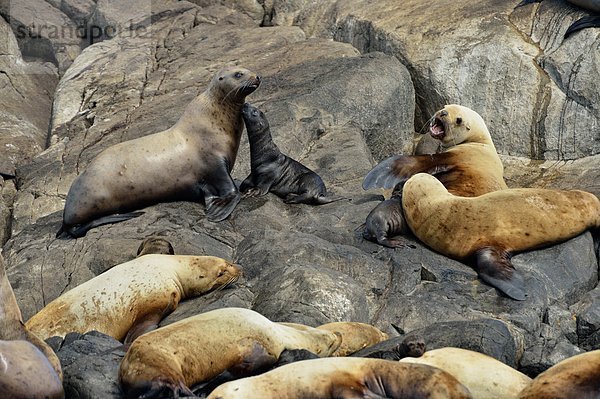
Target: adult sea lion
{"type": "Point", "coordinates": [131, 298]}
{"type": "Point", "coordinates": [468, 166]}
{"type": "Point", "coordinates": [346, 378]}
{"type": "Point", "coordinates": [590, 21]}
{"type": "Point", "coordinates": [25, 373]}
{"type": "Point", "coordinates": [575, 377]}
{"type": "Point", "coordinates": [175, 357]}
{"type": "Point", "coordinates": [484, 376]}
{"type": "Point", "coordinates": [488, 229]}
{"type": "Point", "coordinates": [29, 368]}
{"type": "Point", "coordinates": [191, 160]}
{"type": "Point", "coordinates": [272, 171]}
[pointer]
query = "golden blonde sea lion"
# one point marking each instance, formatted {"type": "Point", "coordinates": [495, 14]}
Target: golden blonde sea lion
{"type": "Point", "coordinates": [576, 377]}
{"type": "Point", "coordinates": [173, 358]}
{"type": "Point", "coordinates": [484, 376]}
{"type": "Point", "coordinates": [346, 378]}
{"type": "Point", "coordinates": [131, 298]}
{"type": "Point", "coordinates": [488, 229]}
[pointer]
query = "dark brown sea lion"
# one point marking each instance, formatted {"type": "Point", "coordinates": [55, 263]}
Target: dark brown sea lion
{"type": "Point", "coordinates": [155, 245]}
{"type": "Point", "coordinates": [346, 378]}
{"type": "Point", "coordinates": [189, 161]}
{"type": "Point", "coordinates": [386, 220]}
{"type": "Point", "coordinates": [486, 230]}
{"type": "Point", "coordinates": [272, 171]}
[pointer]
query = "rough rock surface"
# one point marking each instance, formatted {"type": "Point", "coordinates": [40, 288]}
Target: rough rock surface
{"type": "Point", "coordinates": [338, 108]}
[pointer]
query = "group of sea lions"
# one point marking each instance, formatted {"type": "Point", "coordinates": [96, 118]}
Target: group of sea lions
{"type": "Point", "coordinates": [454, 201]}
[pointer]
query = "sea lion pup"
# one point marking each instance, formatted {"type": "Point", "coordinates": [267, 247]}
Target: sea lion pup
{"type": "Point", "coordinates": [175, 357]}
{"type": "Point", "coordinates": [272, 171]}
{"type": "Point", "coordinates": [131, 298]}
{"type": "Point", "coordinates": [469, 165]}
{"type": "Point", "coordinates": [189, 161]}
{"type": "Point", "coordinates": [484, 376]}
{"type": "Point", "coordinates": [346, 378]}
{"type": "Point", "coordinates": [155, 245]}
{"type": "Point", "coordinates": [27, 373]}
{"type": "Point", "coordinates": [13, 329]}
{"type": "Point", "coordinates": [387, 220]}
{"type": "Point", "coordinates": [575, 377]}
{"type": "Point", "coordinates": [488, 229]}
{"type": "Point", "coordinates": [590, 21]}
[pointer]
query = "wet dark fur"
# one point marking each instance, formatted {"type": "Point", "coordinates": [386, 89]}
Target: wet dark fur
{"type": "Point", "coordinates": [589, 21]}
{"type": "Point", "coordinates": [387, 220]}
{"type": "Point", "coordinates": [272, 171]}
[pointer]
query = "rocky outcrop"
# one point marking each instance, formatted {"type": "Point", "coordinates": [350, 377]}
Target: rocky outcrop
{"type": "Point", "coordinates": [338, 108]}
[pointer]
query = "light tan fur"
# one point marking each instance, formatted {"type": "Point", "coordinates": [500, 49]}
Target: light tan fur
{"type": "Point", "coordinates": [484, 376]}
{"type": "Point", "coordinates": [114, 301]}
{"type": "Point", "coordinates": [346, 378]}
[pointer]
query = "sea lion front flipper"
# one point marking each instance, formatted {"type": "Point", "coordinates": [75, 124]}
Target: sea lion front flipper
{"type": "Point", "coordinates": [81, 229]}
{"type": "Point", "coordinates": [590, 21]}
{"type": "Point", "coordinates": [220, 194]}
{"type": "Point", "coordinates": [495, 268]}
{"type": "Point", "coordinates": [149, 321]}
{"type": "Point", "coordinates": [383, 174]}
{"type": "Point", "coordinates": [355, 391]}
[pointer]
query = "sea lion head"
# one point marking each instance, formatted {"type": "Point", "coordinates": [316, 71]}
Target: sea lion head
{"type": "Point", "coordinates": [355, 336]}
{"type": "Point", "coordinates": [234, 83]}
{"type": "Point", "coordinates": [155, 245]}
{"type": "Point", "coordinates": [254, 119]}
{"type": "Point", "coordinates": [207, 273]}
{"type": "Point", "coordinates": [455, 124]}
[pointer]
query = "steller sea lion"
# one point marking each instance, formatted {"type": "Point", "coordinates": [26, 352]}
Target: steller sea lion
{"type": "Point", "coordinates": [175, 357]}
{"type": "Point", "coordinates": [272, 171]}
{"type": "Point", "coordinates": [575, 377]}
{"type": "Point", "coordinates": [131, 298]}
{"type": "Point", "coordinates": [488, 229]}
{"type": "Point", "coordinates": [191, 160]}
{"type": "Point", "coordinates": [484, 376]}
{"type": "Point", "coordinates": [346, 378]}
{"type": "Point", "coordinates": [155, 245]}
{"type": "Point", "coordinates": [387, 220]}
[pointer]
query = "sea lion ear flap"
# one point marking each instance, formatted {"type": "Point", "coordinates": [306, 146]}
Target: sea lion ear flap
{"type": "Point", "coordinates": [468, 125]}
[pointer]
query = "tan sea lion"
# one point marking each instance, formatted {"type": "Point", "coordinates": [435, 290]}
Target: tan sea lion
{"type": "Point", "coordinates": [468, 166]}
{"type": "Point", "coordinates": [175, 357]}
{"type": "Point", "coordinates": [26, 373]}
{"type": "Point", "coordinates": [355, 335]}
{"type": "Point", "coordinates": [13, 329]}
{"type": "Point", "coordinates": [346, 378]}
{"type": "Point", "coordinates": [155, 245]}
{"type": "Point", "coordinates": [189, 161]}
{"type": "Point", "coordinates": [575, 377]}
{"type": "Point", "coordinates": [131, 298]}
{"type": "Point", "coordinates": [273, 171]}
{"type": "Point", "coordinates": [484, 376]}
{"type": "Point", "coordinates": [488, 229]}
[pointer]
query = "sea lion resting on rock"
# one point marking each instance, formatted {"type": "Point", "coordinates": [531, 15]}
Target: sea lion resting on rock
{"type": "Point", "coordinates": [484, 376]}
{"type": "Point", "coordinates": [199, 348]}
{"type": "Point", "coordinates": [29, 368]}
{"type": "Point", "coordinates": [190, 160]}
{"type": "Point", "coordinates": [346, 378]}
{"type": "Point", "coordinates": [272, 171]}
{"type": "Point", "coordinates": [469, 166]}
{"type": "Point", "coordinates": [131, 298]}
{"type": "Point", "coordinates": [590, 21]}
{"type": "Point", "coordinates": [155, 245]}
{"type": "Point", "coordinates": [575, 377]}
{"type": "Point", "coordinates": [488, 229]}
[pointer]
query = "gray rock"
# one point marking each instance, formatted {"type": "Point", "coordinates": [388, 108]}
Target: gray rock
{"type": "Point", "coordinates": [90, 364]}
{"type": "Point", "coordinates": [587, 316]}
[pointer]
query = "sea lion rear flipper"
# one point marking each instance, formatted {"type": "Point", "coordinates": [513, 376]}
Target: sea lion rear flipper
{"type": "Point", "coordinates": [495, 268]}
{"type": "Point", "coordinates": [81, 229]}
{"type": "Point", "coordinates": [399, 168]}
{"type": "Point", "coordinates": [220, 194]}
{"type": "Point", "coordinates": [590, 21]}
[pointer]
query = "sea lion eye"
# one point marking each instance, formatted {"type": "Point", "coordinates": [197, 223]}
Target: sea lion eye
{"type": "Point", "coordinates": [220, 77]}
{"type": "Point", "coordinates": [458, 121]}
{"type": "Point", "coordinates": [238, 75]}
